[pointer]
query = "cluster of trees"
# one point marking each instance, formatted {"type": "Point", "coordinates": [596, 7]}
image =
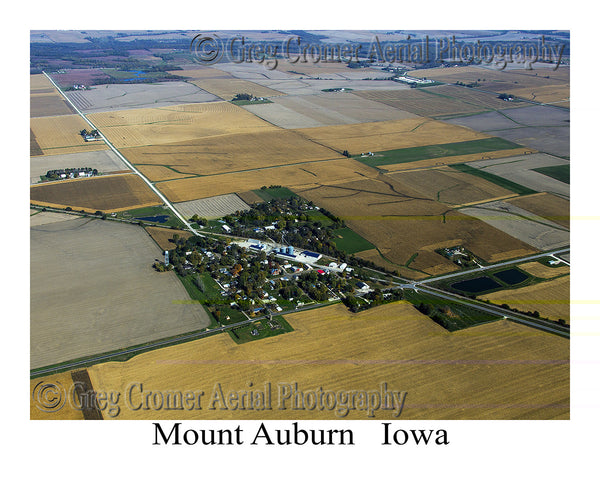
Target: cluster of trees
{"type": "Point", "coordinates": [375, 298]}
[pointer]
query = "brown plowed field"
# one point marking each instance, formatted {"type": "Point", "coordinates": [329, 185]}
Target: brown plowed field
{"type": "Point", "coordinates": [400, 221]}
{"type": "Point", "coordinates": [108, 194]}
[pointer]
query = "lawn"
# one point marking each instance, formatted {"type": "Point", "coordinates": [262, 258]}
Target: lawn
{"type": "Point", "coordinates": [271, 193]}
{"type": "Point", "coordinates": [261, 328]}
{"type": "Point", "coordinates": [347, 240]}
{"type": "Point", "coordinates": [413, 154]}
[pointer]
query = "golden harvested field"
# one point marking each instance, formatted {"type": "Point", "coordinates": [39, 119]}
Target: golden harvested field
{"type": "Point", "coordinates": [179, 123]}
{"type": "Point", "coordinates": [390, 135]}
{"type": "Point", "coordinates": [499, 370]}
{"type": "Point", "coordinates": [542, 271]}
{"type": "Point", "coordinates": [330, 172]}
{"type": "Point", "coordinates": [551, 298]}
{"type": "Point", "coordinates": [542, 85]}
{"type": "Point", "coordinates": [40, 84]}
{"type": "Point", "coordinates": [60, 134]}
{"type": "Point", "coordinates": [232, 153]}
{"type": "Point", "coordinates": [400, 221]}
{"type": "Point", "coordinates": [112, 193]}
{"type": "Point", "coordinates": [559, 94]}
{"type": "Point", "coordinates": [547, 205]}
{"type": "Point", "coordinates": [162, 236]}
{"type": "Point", "coordinates": [43, 407]}
{"type": "Point", "coordinates": [227, 88]}
{"type": "Point", "coordinates": [449, 186]}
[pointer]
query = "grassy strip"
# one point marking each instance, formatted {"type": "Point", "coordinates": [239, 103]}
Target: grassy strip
{"type": "Point", "coordinates": [413, 154]}
{"type": "Point", "coordinates": [350, 241]}
{"type": "Point", "coordinates": [502, 182]}
{"type": "Point", "coordinates": [562, 173]}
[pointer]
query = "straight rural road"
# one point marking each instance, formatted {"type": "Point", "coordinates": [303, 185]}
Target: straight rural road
{"type": "Point", "coordinates": [127, 162]}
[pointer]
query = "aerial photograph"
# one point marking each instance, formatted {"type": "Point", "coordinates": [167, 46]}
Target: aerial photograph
{"type": "Point", "coordinates": [299, 225]}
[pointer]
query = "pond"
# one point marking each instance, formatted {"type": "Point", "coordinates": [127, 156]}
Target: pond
{"type": "Point", "coordinates": [512, 276]}
{"type": "Point", "coordinates": [156, 218]}
{"type": "Point", "coordinates": [476, 285]}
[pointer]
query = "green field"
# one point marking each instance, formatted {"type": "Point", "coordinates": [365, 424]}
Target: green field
{"type": "Point", "coordinates": [413, 154]}
{"type": "Point", "coordinates": [349, 241]}
{"type": "Point", "coordinates": [562, 173]}
{"type": "Point", "coordinates": [211, 293]}
{"type": "Point", "coordinates": [261, 329]}
{"type": "Point", "coordinates": [272, 193]}
{"type": "Point", "coordinates": [502, 182]}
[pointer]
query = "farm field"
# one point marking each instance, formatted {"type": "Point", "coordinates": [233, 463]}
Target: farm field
{"type": "Point", "coordinates": [104, 98]}
{"type": "Point", "coordinates": [48, 105]}
{"type": "Point", "coordinates": [178, 123]}
{"type": "Point", "coordinates": [390, 135]}
{"type": "Point", "coordinates": [561, 173]}
{"type": "Point", "coordinates": [329, 172]}
{"type": "Point", "coordinates": [229, 153]}
{"type": "Point", "coordinates": [227, 86]}
{"type": "Point", "coordinates": [536, 231]}
{"type": "Point", "coordinates": [250, 197]}
{"type": "Point", "coordinates": [43, 218]}
{"type": "Point", "coordinates": [445, 151]}
{"type": "Point", "coordinates": [436, 102]}
{"type": "Point", "coordinates": [44, 99]}
{"type": "Point", "coordinates": [520, 169]}
{"type": "Point", "coordinates": [326, 108]}
{"type": "Point", "coordinates": [111, 193]}
{"type": "Point", "coordinates": [542, 271]}
{"type": "Point", "coordinates": [450, 186]}
{"type": "Point", "coordinates": [550, 298]}
{"type": "Point", "coordinates": [449, 375]}
{"type": "Point", "coordinates": [542, 85]}
{"type": "Point", "coordinates": [539, 127]}
{"type": "Point", "coordinates": [401, 222]}
{"type": "Point", "coordinates": [105, 161]}
{"type": "Point", "coordinates": [212, 207]}
{"type": "Point", "coordinates": [311, 86]}
{"type": "Point", "coordinates": [162, 236]}
{"type": "Point", "coordinates": [553, 208]}
{"type": "Point", "coordinates": [124, 302]}
{"type": "Point", "coordinates": [60, 134]}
